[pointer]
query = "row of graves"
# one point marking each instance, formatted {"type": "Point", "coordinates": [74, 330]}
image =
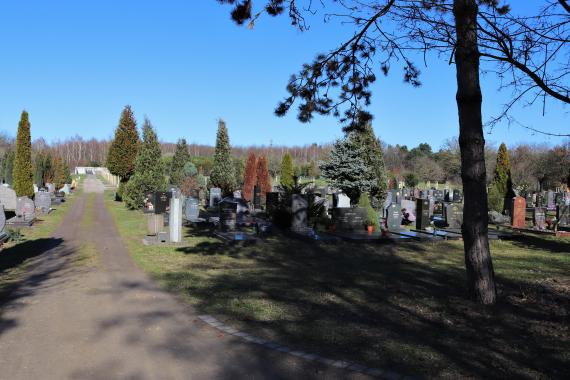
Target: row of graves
{"type": "Point", "coordinates": [20, 212]}
{"type": "Point", "coordinates": [407, 214]}
{"type": "Point", "coordinates": [534, 216]}
{"type": "Point", "coordinates": [230, 218]}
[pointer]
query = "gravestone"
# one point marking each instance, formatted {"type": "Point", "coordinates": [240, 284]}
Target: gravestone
{"type": "Point", "coordinates": [539, 200]}
{"type": "Point", "coordinates": [454, 215]}
{"type": "Point", "coordinates": [396, 198]}
{"type": "Point", "coordinates": [25, 208]}
{"type": "Point", "coordinates": [228, 216]}
{"type": "Point", "coordinates": [446, 197]}
{"type": "Point", "coordinates": [192, 209]}
{"type": "Point", "coordinates": [563, 215]}
{"type": "Point", "coordinates": [271, 202]}
{"type": "Point", "coordinates": [342, 200]}
{"type": "Point", "coordinates": [299, 206]}
{"type": "Point", "coordinates": [8, 198]}
{"type": "Point", "coordinates": [518, 212]}
{"type": "Point", "coordinates": [539, 218]}
{"type": "Point", "coordinates": [42, 201]}
{"type": "Point", "coordinates": [65, 189]}
{"type": "Point", "coordinates": [528, 200]}
{"type": "Point", "coordinates": [422, 214]}
{"type": "Point", "coordinates": [215, 196]}
{"type": "Point", "coordinates": [2, 219]}
{"type": "Point", "coordinates": [438, 195]}
{"type": "Point", "coordinates": [50, 187]}
{"type": "Point", "coordinates": [175, 217]}
{"type": "Point", "coordinates": [409, 205]}
{"type": "Point", "coordinates": [550, 200]}
{"type": "Point", "coordinates": [394, 217]}
{"type": "Point", "coordinates": [257, 197]}
{"type": "Point", "coordinates": [237, 194]}
{"type": "Point", "coordinates": [155, 224]}
{"type": "Point", "coordinates": [349, 218]}
{"type": "Point", "coordinates": [417, 193]}
{"type": "Point", "coordinates": [159, 201]}
{"type": "Point", "coordinates": [457, 196]}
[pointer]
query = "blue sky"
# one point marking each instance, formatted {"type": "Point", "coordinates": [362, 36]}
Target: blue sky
{"type": "Point", "coordinates": [74, 64]}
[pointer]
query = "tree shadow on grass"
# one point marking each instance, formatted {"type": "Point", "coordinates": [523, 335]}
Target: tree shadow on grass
{"type": "Point", "coordinates": [389, 309]}
{"type": "Point", "coordinates": [25, 285]}
{"type": "Point", "coordinates": [550, 244]}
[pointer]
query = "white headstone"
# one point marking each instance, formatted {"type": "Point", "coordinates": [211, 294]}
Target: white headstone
{"type": "Point", "coordinates": [175, 219]}
{"type": "Point", "coordinates": [343, 201]}
{"type": "Point", "coordinates": [8, 198]}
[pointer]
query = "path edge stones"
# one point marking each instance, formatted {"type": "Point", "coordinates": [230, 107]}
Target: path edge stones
{"type": "Point", "coordinates": [380, 373]}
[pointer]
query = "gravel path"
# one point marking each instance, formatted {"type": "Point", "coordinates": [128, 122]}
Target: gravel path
{"type": "Point", "coordinates": [69, 320]}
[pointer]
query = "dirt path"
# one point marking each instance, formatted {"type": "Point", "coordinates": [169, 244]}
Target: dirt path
{"type": "Point", "coordinates": [71, 320]}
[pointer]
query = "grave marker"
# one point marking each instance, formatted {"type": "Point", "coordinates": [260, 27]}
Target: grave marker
{"type": "Point", "coordinates": [8, 198]}
{"type": "Point", "coordinates": [350, 218]}
{"type": "Point", "coordinates": [454, 215]}
{"type": "Point", "coordinates": [422, 214]}
{"type": "Point", "coordinates": [539, 218]}
{"type": "Point", "coordinates": [394, 217]}
{"type": "Point", "coordinates": [518, 212]}
{"type": "Point", "coordinates": [215, 196]}
{"type": "Point", "coordinates": [42, 201]}
{"type": "Point", "coordinates": [192, 209]}
{"type": "Point", "coordinates": [299, 206]}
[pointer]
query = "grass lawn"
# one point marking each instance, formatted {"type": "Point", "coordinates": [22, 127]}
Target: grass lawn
{"type": "Point", "coordinates": [392, 306]}
{"type": "Point", "coordinates": [17, 255]}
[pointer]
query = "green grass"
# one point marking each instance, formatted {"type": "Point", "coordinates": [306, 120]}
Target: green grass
{"type": "Point", "coordinates": [15, 256]}
{"type": "Point", "coordinates": [397, 306]}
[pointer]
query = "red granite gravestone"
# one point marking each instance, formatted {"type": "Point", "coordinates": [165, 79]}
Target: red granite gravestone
{"type": "Point", "coordinates": [519, 212]}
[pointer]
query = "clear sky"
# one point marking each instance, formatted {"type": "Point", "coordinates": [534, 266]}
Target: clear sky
{"type": "Point", "coordinates": [74, 65]}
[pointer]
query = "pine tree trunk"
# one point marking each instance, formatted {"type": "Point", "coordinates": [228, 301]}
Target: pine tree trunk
{"type": "Point", "coordinates": [480, 275]}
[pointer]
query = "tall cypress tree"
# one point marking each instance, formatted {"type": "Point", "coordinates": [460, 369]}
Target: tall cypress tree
{"type": "Point", "coordinates": [58, 172]}
{"type": "Point", "coordinates": [22, 171]}
{"type": "Point", "coordinates": [180, 159]}
{"type": "Point", "coordinates": [287, 171]}
{"type": "Point", "coordinates": [123, 149]}
{"type": "Point", "coordinates": [373, 156]}
{"type": "Point", "coordinates": [263, 177]}
{"type": "Point", "coordinates": [249, 176]}
{"type": "Point", "coordinates": [222, 175]}
{"type": "Point", "coordinates": [502, 185]}
{"type": "Point", "coordinates": [149, 170]}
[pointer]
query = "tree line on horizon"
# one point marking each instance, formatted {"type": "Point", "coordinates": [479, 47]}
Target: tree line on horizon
{"type": "Point", "coordinates": [534, 166]}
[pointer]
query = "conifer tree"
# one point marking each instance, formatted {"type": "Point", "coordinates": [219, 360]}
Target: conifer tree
{"type": "Point", "coordinates": [8, 166]}
{"type": "Point", "coordinates": [180, 159]}
{"type": "Point", "coordinates": [67, 173]}
{"type": "Point", "coordinates": [249, 177]}
{"type": "Point", "coordinates": [22, 171]}
{"type": "Point", "coordinates": [149, 170]}
{"type": "Point", "coordinates": [123, 150]}
{"type": "Point", "coordinates": [43, 168]}
{"type": "Point", "coordinates": [502, 185]}
{"type": "Point", "coordinates": [58, 172]}
{"type": "Point", "coordinates": [371, 216]}
{"type": "Point", "coordinates": [286, 174]}
{"type": "Point", "coordinates": [223, 173]}
{"type": "Point", "coordinates": [374, 157]}
{"type": "Point", "coordinates": [346, 169]}
{"type": "Point", "coordinates": [263, 176]}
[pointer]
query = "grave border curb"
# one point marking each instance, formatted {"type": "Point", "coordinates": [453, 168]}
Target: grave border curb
{"type": "Point", "coordinates": [380, 373]}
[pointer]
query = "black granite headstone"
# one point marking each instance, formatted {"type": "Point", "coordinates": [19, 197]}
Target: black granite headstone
{"type": "Point", "coordinates": [349, 218]}
{"type": "Point", "coordinates": [422, 214]}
